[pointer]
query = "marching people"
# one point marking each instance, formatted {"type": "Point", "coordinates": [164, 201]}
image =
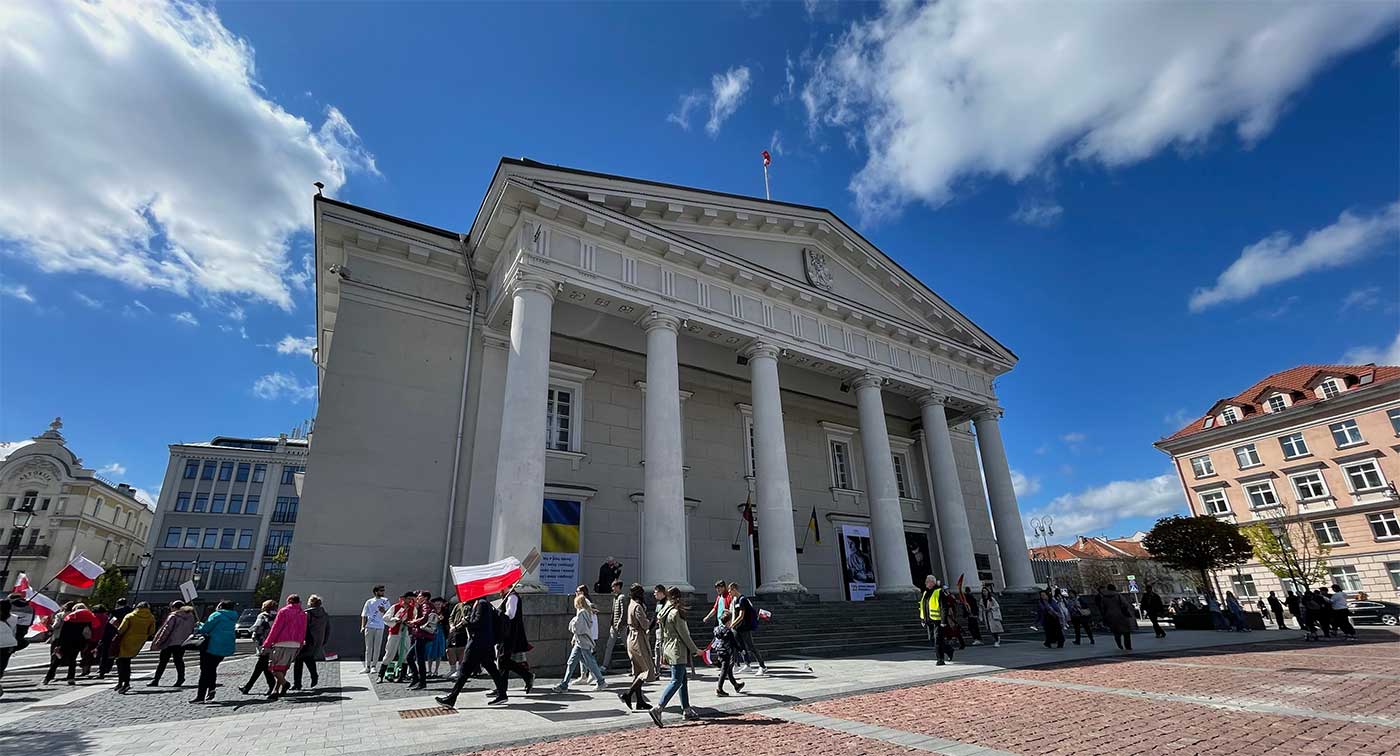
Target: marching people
{"type": "Point", "coordinates": [372, 625]}
{"type": "Point", "coordinates": [21, 616]}
{"type": "Point", "coordinates": [170, 641]}
{"type": "Point", "coordinates": [424, 632]}
{"type": "Point", "coordinates": [585, 675]}
{"type": "Point", "coordinates": [608, 573]}
{"type": "Point", "coordinates": [1047, 615]}
{"type": "Point", "coordinates": [617, 628]}
{"type": "Point", "coordinates": [480, 654]}
{"type": "Point", "coordinates": [973, 614]}
{"type": "Point", "coordinates": [1118, 616]}
{"type": "Point", "coordinates": [137, 627]}
{"type": "Point", "coordinates": [954, 617]}
{"type": "Point", "coordinates": [1277, 608]}
{"type": "Point", "coordinates": [457, 636]}
{"type": "Point", "coordinates": [259, 632]}
{"type": "Point", "coordinates": [658, 593]}
{"type": "Point", "coordinates": [582, 627]}
{"type": "Point", "coordinates": [744, 623]}
{"type": "Point", "coordinates": [1295, 607]}
{"type": "Point", "coordinates": [991, 615]}
{"type": "Point", "coordinates": [437, 646]}
{"type": "Point", "coordinates": [638, 649]}
{"type": "Point", "coordinates": [933, 616]}
{"type": "Point", "coordinates": [1154, 607]}
{"type": "Point", "coordinates": [284, 640]}
{"type": "Point", "coordinates": [99, 648]}
{"type": "Point", "coordinates": [1080, 618]}
{"type": "Point", "coordinates": [720, 607]}
{"type": "Point", "coordinates": [724, 649]}
{"type": "Point", "coordinates": [1217, 617]}
{"type": "Point", "coordinates": [399, 645]}
{"type": "Point", "coordinates": [1340, 613]}
{"type": "Point", "coordinates": [1235, 613]}
{"type": "Point", "coordinates": [8, 641]}
{"type": "Point", "coordinates": [219, 642]}
{"type": "Point", "coordinates": [70, 634]}
{"type": "Point", "coordinates": [676, 648]}
{"type": "Point", "coordinates": [318, 631]}
{"type": "Point", "coordinates": [513, 646]}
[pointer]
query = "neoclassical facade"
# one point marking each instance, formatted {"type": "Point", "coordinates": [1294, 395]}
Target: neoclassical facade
{"type": "Point", "coordinates": [698, 384]}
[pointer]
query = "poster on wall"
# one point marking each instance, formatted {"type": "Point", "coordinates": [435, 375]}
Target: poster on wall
{"type": "Point", "coordinates": [920, 566]}
{"type": "Point", "coordinates": [857, 564]}
{"type": "Point", "coordinates": [559, 545]}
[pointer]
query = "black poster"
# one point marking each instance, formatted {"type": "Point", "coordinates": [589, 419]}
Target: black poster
{"type": "Point", "coordinates": [919, 565]}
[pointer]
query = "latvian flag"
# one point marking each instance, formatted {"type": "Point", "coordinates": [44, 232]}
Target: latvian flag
{"type": "Point", "coordinates": [479, 580]}
{"type": "Point", "coordinates": [81, 572]}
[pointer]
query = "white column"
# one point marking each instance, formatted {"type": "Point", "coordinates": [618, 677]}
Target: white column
{"type": "Point", "coordinates": [777, 542]}
{"type": "Point", "coordinates": [1006, 516]}
{"type": "Point", "coordinates": [663, 543]}
{"type": "Point", "coordinates": [892, 574]}
{"type": "Point", "coordinates": [519, 502]}
{"type": "Point", "coordinates": [955, 537]}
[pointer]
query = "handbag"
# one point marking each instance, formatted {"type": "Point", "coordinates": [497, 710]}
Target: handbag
{"type": "Point", "coordinates": [196, 641]}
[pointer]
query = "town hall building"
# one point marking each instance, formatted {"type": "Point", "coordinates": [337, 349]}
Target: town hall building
{"type": "Point", "coordinates": [698, 384]}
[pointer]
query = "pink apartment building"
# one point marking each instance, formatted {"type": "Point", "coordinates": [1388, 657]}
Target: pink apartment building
{"type": "Point", "coordinates": [1316, 444]}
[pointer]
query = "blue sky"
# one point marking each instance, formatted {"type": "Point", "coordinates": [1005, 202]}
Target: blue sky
{"type": "Point", "coordinates": [1153, 205]}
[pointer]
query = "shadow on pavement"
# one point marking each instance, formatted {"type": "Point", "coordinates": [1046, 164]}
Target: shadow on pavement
{"type": "Point", "coordinates": [68, 743]}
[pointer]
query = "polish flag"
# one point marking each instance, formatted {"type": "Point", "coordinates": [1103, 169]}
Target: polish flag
{"type": "Point", "coordinates": [42, 605]}
{"type": "Point", "coordinates": [21, 585]}
{"type": "Point", "coordinates": [81, 572]}
{"type": "Point", "coordinates": [479, 580]}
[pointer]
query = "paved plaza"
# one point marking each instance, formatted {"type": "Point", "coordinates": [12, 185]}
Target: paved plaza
{"type": "Point", "coordinates": [1191, 693]}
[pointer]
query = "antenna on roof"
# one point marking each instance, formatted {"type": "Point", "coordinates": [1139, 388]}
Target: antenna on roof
{"type": "Point", "coordinates": [319, 186]}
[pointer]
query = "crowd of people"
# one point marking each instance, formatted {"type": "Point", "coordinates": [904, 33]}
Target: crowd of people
{"type": "Point", "coordinates": [949, 616]}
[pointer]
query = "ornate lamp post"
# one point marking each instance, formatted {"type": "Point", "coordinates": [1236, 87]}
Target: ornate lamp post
{"type": "Point", "coordinates": [142, 564]}
{"type": "Point", "coordinates": [1044, 527]}
{"type": "Point", "coordinates": [23, 516]}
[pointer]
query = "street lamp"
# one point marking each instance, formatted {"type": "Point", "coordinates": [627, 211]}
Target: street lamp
{"type": "Point", "coordinates": [23, 516]}
{"type": "Point", "coordinates": [1044, 527]}
{"type": "Point", "coordinates": [142, 563]}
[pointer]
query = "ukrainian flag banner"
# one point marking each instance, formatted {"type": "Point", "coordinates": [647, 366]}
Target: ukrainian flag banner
{"type": "Point", "coordinates": [559, 545]}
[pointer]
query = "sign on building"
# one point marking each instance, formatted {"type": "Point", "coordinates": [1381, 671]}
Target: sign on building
{"type": "Point", "coordinates": [857, 564]}
{"type": "Point", "coordinates": [559, 545]}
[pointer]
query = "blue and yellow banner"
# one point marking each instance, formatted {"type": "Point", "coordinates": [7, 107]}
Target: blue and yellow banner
{"type": "Point", "coordinates": [559, 532]}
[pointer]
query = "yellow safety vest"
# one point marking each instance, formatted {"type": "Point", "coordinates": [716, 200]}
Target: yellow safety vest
{"type": "Point", "coordinates": [933, 611]}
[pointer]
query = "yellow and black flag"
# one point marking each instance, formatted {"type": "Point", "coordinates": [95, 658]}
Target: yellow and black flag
{"type": "Point", "coordinates": [812, 525]}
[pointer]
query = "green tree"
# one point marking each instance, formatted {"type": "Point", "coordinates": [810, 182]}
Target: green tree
{"type": "Point", "coordinates": [269, 587]}
{"type": "Point", "coordinates": [1290, 550]}
{"type": "Point", "coordinates": [1197, 545]}
{"type": "Point", "coordinates": [110, 586]}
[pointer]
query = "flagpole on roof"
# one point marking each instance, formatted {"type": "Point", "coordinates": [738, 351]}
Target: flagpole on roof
{"type": "Point", "coordinates": [766, 160]}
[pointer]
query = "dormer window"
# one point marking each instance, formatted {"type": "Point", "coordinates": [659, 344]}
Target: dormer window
{"type": "Point", "coordinates": [1277, 403]}
{"type": "Point", "coordinates": [1229, 416]}
{"type": "Point", "coordinates": [1329, 388]}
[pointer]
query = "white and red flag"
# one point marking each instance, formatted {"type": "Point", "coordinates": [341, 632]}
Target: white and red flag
{"type": "Point", "coordinates": [21, 585]}
{"type": "Point", "coordinates": [42, 605]}
{"type": "Point", "coordinates": [477, 580]}
{"type": "Point", "coordinates": [81, 572]}
{"type": "Point", "coordinates": [767, 159]}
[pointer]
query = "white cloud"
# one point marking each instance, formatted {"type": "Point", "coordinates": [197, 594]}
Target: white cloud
{"type": "Point", "coordinates": [281, 385]}
{"type": "Point", "coordinates": [775, 143]}
{"type": "Point", "coordinates": [789, 89]}
{"type": "Point", "coordinates": [115, 469]}
{"type": "Point", "coordinates": [140, 146]}
{"type": "Point", "coordinates": [941, 92]}
{"type": "Point", "coordinates": [1095, 509]}
{"type": "Point", "coordinates": [147, 498]}
{"type": "Point", "coordinates": [1024, 485]}
{"type": "Point", "coordinates": [186, 317]}
{"type": "Point", "coordinates": [10, 447]}
{"type": "Point", "coordinates": [135, 309]}
{"type": "Point", "coordinates": [18, 291]}
{"type": "Point", "coordinates": [241, 330]}
{"type": "Point", "coordinates": [727, 93]}
{"type": "Point", "coordinates": [1381, 355]}
{"type": "Point", "coordinates": [1042, 213]}
{"type": "Point", "coordinates": [1278, 258]}
{"type": "Point", "coordinates": [687, 103]}
{"type": "Point", "coordinates": [1177, 418]}
{"type": "Point", "coordinates": [87, 301]}
{"type": "Point", "coordinates": [296, 345]}
{"type": "Point", "coordinates": [1365, 298]}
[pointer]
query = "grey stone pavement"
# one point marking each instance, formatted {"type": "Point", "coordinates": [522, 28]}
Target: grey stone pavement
{"type": "Point", "coordinates": [347, 715]}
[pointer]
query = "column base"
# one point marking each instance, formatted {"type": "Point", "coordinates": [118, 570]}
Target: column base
{"type": "Point", "coordinates": [777, 588]}
{"type": "Point", "coordinates": [1023, 589]}
{"type": "Point", "coordinates": [896, 591]}
{"type": "Point", "coordinates": [531, 584]}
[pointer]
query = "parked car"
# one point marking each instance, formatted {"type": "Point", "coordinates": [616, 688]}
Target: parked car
{"type": "Point", "coordinates": [243, 628]}
{"type": "Point", "coordinates": [1370, 611]}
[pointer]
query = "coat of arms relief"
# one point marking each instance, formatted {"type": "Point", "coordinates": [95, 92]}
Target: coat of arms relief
{"type": "Point", "coordinates": [817, 267]}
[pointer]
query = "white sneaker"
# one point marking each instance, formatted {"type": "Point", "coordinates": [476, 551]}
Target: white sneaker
{"type": "Point", "coordinates": [760, 672]}
{"type": "Point", "coordinates": [748, 669]}
{"type": "Point", "coordinates": [997, 644]}
{"type": "Point", "coordinates": [601, 686]}
{"type": "Point", "coordinates": [977, 643]}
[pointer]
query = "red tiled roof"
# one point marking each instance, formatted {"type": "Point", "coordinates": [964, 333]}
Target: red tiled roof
{"type": "Point", "coordinates": [1054, 551]}
{"type": "Point", "coordinates": [1293, 379]}
{"type": "Point", "coordinates": [1093, 548]}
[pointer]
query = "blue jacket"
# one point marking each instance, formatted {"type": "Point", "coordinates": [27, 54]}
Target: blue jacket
{"type": "Point", "coordinates": [219, 628]}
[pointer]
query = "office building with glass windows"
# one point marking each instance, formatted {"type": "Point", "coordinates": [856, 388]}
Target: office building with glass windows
{"type": "Point", "coordinates": [226, 516]}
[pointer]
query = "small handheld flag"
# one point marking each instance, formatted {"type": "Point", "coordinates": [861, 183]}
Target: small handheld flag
{"type": "Point", "coordinates": [81, 572]}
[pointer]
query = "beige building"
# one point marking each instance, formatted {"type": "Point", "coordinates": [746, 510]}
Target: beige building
{"type": "Point", "coordinates": [74, 512]}
{"type": "Point", "coordinates": [1317, 445]}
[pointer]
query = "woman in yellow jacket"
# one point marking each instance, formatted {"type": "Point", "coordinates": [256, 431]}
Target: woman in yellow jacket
{"type": "Point", "coordinates": [137, 627]}
{"type": "Point", "coordinates": [933, 615]}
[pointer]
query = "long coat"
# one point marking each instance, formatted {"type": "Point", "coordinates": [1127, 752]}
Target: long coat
{"type": "Point", "coordinates": [318, 630]}
{"type": "Point", "coordinates": [676, 644]}
{"type": "Point", "coordinates": [137, 627]}
{"type": "Point", "coordinates": [638, 649]}
{"type": "Point", "coordinates": [991, 616]}
{"type": "Point", "coordinates": [1117, 613]}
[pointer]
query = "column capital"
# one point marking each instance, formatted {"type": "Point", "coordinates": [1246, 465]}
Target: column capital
{"type": "Point", "coordinates": [990, 413]}
{"type": "Point", "coordinates": [868, 380]}
{"type": "Point", "coordinates": [760, 349]}
{"type": "Point", "coordinates": [528, 281]}
{"type": "Point", "coordinates": [659, 319]}
{"type": "Point", "coordinates": [931, 397]}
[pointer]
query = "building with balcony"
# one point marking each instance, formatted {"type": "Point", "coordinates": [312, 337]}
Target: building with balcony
{"type": "Point", "coordinates": [606, 366]}
{"type": "Point", "coordinates": [227, 509]}
{"type": "Point", "coordinates": [1093, 561]}
{"type": "Point", "coordinates": [75, 511]}
{"type": "Point", "coordinates": [1317, 446]}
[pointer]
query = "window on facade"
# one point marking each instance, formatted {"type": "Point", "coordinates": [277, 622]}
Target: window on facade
{"type": "Point", "coordinates": [559, 418]}
{"type": "Point", "coordinates": [182, 502]}
{"type": "Point", "coordinates": [1261, 494]}
{"type": "Point", "coordinates": [44, 506]}
{"type": "Point", "coordinates": [170, 574]}
{"type": "Point", "coordinates": [226, 471]}
{"type": "Point", "coordinates": [1309, 486]}
{"type": "Point", "coordinates": [172, 538]}
{"type": "Point", "coordinates": [840, 464]}
{"type": "Point", "coordinates": [1230, 416]}
{"type": "Point", "coordinates": [191, 469]}
{"type": "Point", "coordinates": [1277, 403]}
{"type": "Point", "coordinates": [243, 470]}
{"type": "Point", "coordinates": [1327, 532]}
{"type": "Point", "coordinates": [208, 472]}
{"type": "Point", "coordinates": [1202, 466]}
{"type": "Point", "coordinates": [211, 538]}
{"type": "Point", "coordinates": [1384, 524]}
{"type": "Point", "coordinates": [235, 504]}
{"type": "Point", "coordinates": [191, 538]}
{"type": "Point", "coordinates": [1214, 502]}
{"type": "Point", "coordinates": [269, 567]}
{"type": "Point", "coordinates": [34, 539]}
{"type": "Point", "coordinates": [30, 498]}
{"type": "Point", "coordinates": [10, 503]}
{"type": "Point", "coordinates": [96, 505]}
{"type": "Point", "coordinates": [289, 473]}
{"type": "Point", "coordinates": [1393, 569]}
{"type": "Point", "coordinates": [227, 538]}
{"type": "Point", "coordinates": [1347, 577]}
{"type": "Point", "coordinates": [1346, 433]}
{"type": "Point", "coordinates": [276, 541]}
{"type": "Point", "coordinates": [1330, 388]}
{"type": "Point", "coordinates": [201, 502]}
{"type": "Point", "coordinates": [252, 506]}
{"type": "Point", "coordinates": [751, 454]}
{"type": "Point", "coordinates": [217, 505]}
{"type": "Point", "coordinates": [226, 576]}
{"type": "Point", "coordinates": [1394, 416]}
{"type": "Point", "coordinates": [1244, 586]}
{"type": "Point", "coordinates": [259, 473]}
{"type": "Point", "coordinates": [286, 509]}
{"type": "Point", "coordinates": [1364, 476]}
{"type": "Point", "coordinates": [245, 539]}
{"type": "Point", "coordinates": [16, 536]}
{"type": "Point", "coordinates": [1247, 456]}
{"type": "Point", "coordinates": [901, 477]}
{"type": "Point", "coordinates": [1293, 445]}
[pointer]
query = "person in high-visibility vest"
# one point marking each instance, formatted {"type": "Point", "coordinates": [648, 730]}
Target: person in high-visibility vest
{"type": "Point", "coordinates": [933, 615]}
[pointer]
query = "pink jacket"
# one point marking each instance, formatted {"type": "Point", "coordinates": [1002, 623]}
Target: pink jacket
{"type": "Point", "coordinates": [290, 625]}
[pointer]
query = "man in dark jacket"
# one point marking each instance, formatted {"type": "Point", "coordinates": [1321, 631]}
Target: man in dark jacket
{"type": "Point", "coordinates": [23, 615]}
{"type": "Point", "coordinates": [513, 645]}
{"type": "Point", "coordinates": [617, 629]}
{"type": "Point", "coordinates": [1295, 607]}
{"type": "Point", "coordinates": [1155, 608]}
{"type": "Point", "coordinates": [1277, 608]}
{"type": "Point", "coordinates": [480, 654]}
{"type": "Point", "coordinates": [608, 573]}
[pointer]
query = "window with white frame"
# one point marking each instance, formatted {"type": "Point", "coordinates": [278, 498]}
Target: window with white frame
{"type": "Point", "coordinates": [901, 475]}
{"type": "Point", "coordinates": [564, 408]}
{"type": "Point", "coordinates": [1215, 502]}
{"type": "Point", "coordinates": [684, 395]}
{"type": "Point", "coordinates": [1347, 577]}
{"type": "Point", "coordinates": [1202, 466]}
{"type": "Point", "coordinates": [1364, 476]}
{"type": "Point", "coordinates": [1330, 388]}
{"type": "Point", "coordinates": [750, 458]}
{"type": "Point", "coordinates": [1277, 403]}
{"type": "Point", "coordinates": [1294, 446]}
{"type": "Point", "coordinates": [1394, 416]}
{"type": "Point", "coordinates": [1229, 416]}
{"type": "Point", "coordinates": [840, 464]}
{"type": "Point", "coordinates": [1346, 434]}
{"type": "Point", "coordinates": [1309, 485]}
{"type": "Point", "coordinates": [1244, 586]}
{"type": "Point", "coordinates": [1247, 456]}
{"type": "Point", "coordinates": [1393, 569]}
{"type": "Point", "coordinates": [1384, 525]}
{"type": "Point", "coordinates": [1327, 532]}
{"type": "Point", "coordinates": [1261, 494]}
